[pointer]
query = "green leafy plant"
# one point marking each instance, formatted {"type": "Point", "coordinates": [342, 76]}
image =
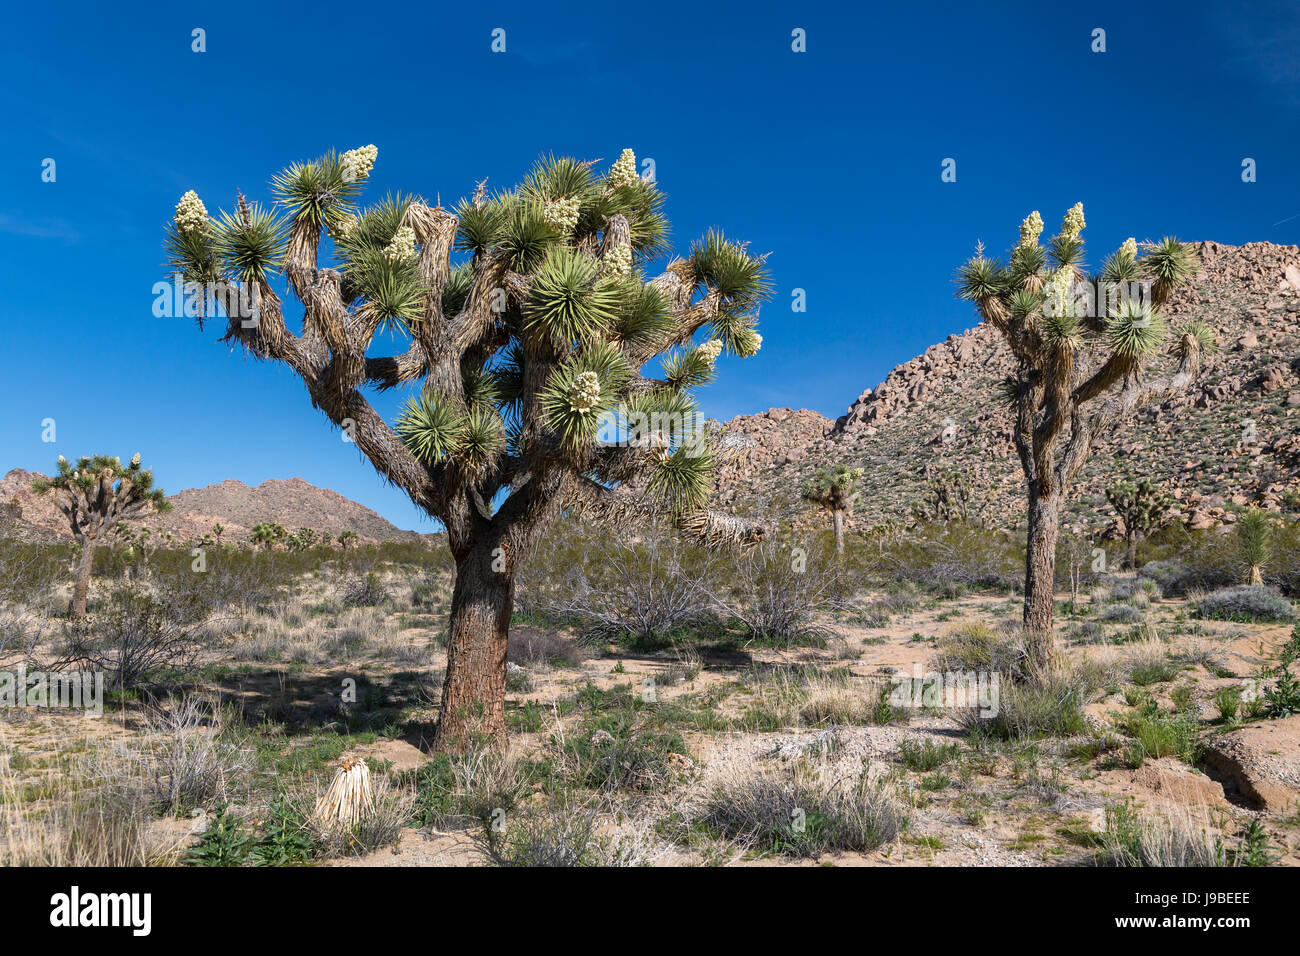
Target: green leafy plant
{"type": "Point", "coordinates": [286, 838]}
{"type": "Point", "coordinates": [1283, 697]}
{"type": "Point", "coordinates": [226, 842]}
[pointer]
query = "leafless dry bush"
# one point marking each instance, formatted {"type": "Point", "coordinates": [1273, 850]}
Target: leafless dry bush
{"type": "Point", "coordinates": [777, 591]}
{"type": "Point", "coordinates": [186, 757]}
{"type": "Point", "coordinates": [138, 633]}
{"type": "Point", "coordinates": [642, 589]}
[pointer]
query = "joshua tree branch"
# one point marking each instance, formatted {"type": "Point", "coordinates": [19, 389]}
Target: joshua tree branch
{"type": "Point", "coordinates": [623, 507]}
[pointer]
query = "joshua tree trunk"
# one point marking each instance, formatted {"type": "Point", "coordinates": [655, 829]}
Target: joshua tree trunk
{"type": "Point", "coordinates": [1132, 558]}
{"type": "Point", "coordinates": [839, 531]}
{"type": "Point", "coordinates": [473, 692]}
{"type": "Point", "coordinates": [82, 587]}
{"type": "Point", "coordinates": [1040, 576]}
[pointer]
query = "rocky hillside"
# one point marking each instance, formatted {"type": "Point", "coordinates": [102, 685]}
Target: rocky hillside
{"type": "Point", "coordinates": [237, 507]}
{"type": "Point", "coordinates": [1234, 439]}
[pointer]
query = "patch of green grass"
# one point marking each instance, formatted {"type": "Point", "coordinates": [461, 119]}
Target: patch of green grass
{"type": "Point", "coordinates": [925, 756]}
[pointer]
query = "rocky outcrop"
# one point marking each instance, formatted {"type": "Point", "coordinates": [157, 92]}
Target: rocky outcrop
{"type": "Point", "coordinates": [1233, 439]}
{"type": "Point", "coordinates": [774, 439]}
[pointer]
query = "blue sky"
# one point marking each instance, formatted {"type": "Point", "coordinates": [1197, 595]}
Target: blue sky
{"type": "Point", "coordinates": [829, 159]}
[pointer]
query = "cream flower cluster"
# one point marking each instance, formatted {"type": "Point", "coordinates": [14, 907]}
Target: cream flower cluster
{"type": "Point", "coordinates": [562, 214]}
{"type": "Point", "coordinates": [402, 246]}
{"type": "Point", "coordinates": [1060, 292]}
{"type": "Point", "coordinates": [191, 214]}
{"type": "Point", "coordinates": [584, 393]}
{"type": "Point", "coordinates": [1073, 224]}
{"type": "Point", "coordinates": [1129, 249]}
{"type": "Point", "coordinates": [344, 228]}
{"type": "Point", "coordinates": [617, 262]}
{"type": "Point", "coordinates": [135, 460]}
{"type": "Point", "coordinates": [358, 162]}
{"type": "Point", "coordinates": [1031, 229]}
{"type": "Point", "coordinates": [623, 172]}
{"type": "Point", "coordinates": [748, 342]}
{"type": "Point", "coordinates": [710, 350]}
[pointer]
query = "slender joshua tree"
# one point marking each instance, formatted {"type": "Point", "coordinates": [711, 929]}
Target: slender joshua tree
{"type": "Point", "coordinates": [526, 349]}
{"type": "Point", "coordinates": [95, 495]}
{"type": "Point", "coordinates": [1080, 367]}
{"type": "Point", "coordinates": [835, 490]}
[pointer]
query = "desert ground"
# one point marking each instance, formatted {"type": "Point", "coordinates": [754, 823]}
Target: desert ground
{"type": "Point", "coordinates": [747, 717]}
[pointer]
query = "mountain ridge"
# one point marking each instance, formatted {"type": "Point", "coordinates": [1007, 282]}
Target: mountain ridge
{"type": "Point", "coordinates": [292, 502]}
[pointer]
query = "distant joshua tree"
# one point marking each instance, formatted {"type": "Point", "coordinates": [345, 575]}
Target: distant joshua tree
{"type": "Point", "coordinates": [95, 495]}
{"type": "Point", "coordinates": [347, 538]}
{"type": "Point", "coordinates": [947, 498]}
{"type": "Point", "coordinates": [217, 531]}
{"type": "Point", "coordinates": [835, 490]}
{"type": "Point", "coordinates": [526, 356]}
{"type": "Point", "coordinates": [1143, 507]}
{"type": "Point", "coordinates": [302, 540]}
{"type": "Point", "coordinates": [267, 534]}
{"type": "Point", "coordinates": [1079, 367]}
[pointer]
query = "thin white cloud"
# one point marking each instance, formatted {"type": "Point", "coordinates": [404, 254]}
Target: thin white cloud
{"type": "Point", "coordinates": [38, 228]}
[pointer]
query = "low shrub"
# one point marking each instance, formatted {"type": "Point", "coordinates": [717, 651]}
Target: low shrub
{"type": "Point", "coordinates": [365, 591]}
{"type": "Point", "coordinates": [801, 810]}
{"type": "Point", "coordinates": [1159, 838]}
{"type": "Point", "coordinates": [1172, 576]}
{"type": "Point", "coordinates": [1247, 603]}
{"type": "Point", "coordinates": [1050, 707]}
{"type": "Point", "coordinates": [1120, 614]}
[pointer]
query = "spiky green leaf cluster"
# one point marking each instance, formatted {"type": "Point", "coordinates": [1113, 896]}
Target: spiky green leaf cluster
{"type": "Point", "coordinates": [317, 192]}
{"type": "Point", "coordinates": [192, 254]}
{"type": "Point", "coordinates": [91, 470]}
{"type": "Point", "coordinates": [687, 368]}
{"type": "Point", "coordinates": [436, 431]}
{"type": "Point", "coordinates": [567, 304]}
{"type": "Point", "coordinates": [249, 250]}
{"type": "Point", "coordinates": [1168, 264]}
{"type": "Point", "coordinates": [1135, 331]}
{"type": "Point", "coordinates": [393, 288]}
{"type": "Point", "coordinates": [683, 479]}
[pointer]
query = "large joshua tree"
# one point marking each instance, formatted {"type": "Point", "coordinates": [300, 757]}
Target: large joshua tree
{"type": "Point", "coordinates": [96, 495]}
{"type": "Point", "coordinates": [1080, 366]}
{"type": "Point", "coordinates": [835, 489]}
{"type": "Point", "coordinates": [526, 321]}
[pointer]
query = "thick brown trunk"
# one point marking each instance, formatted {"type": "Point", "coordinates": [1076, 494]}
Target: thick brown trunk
{"type": "Point", "coordinates": [1132, 552]}
{"type": "Point", "coordinates": [81, 589]}
{"type": "Point", "coordinates": [839, 532]}
{"type": "Point", "coordinates": [1040, 578]}
{"type": "Point", "coordinates": [474, 690]}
